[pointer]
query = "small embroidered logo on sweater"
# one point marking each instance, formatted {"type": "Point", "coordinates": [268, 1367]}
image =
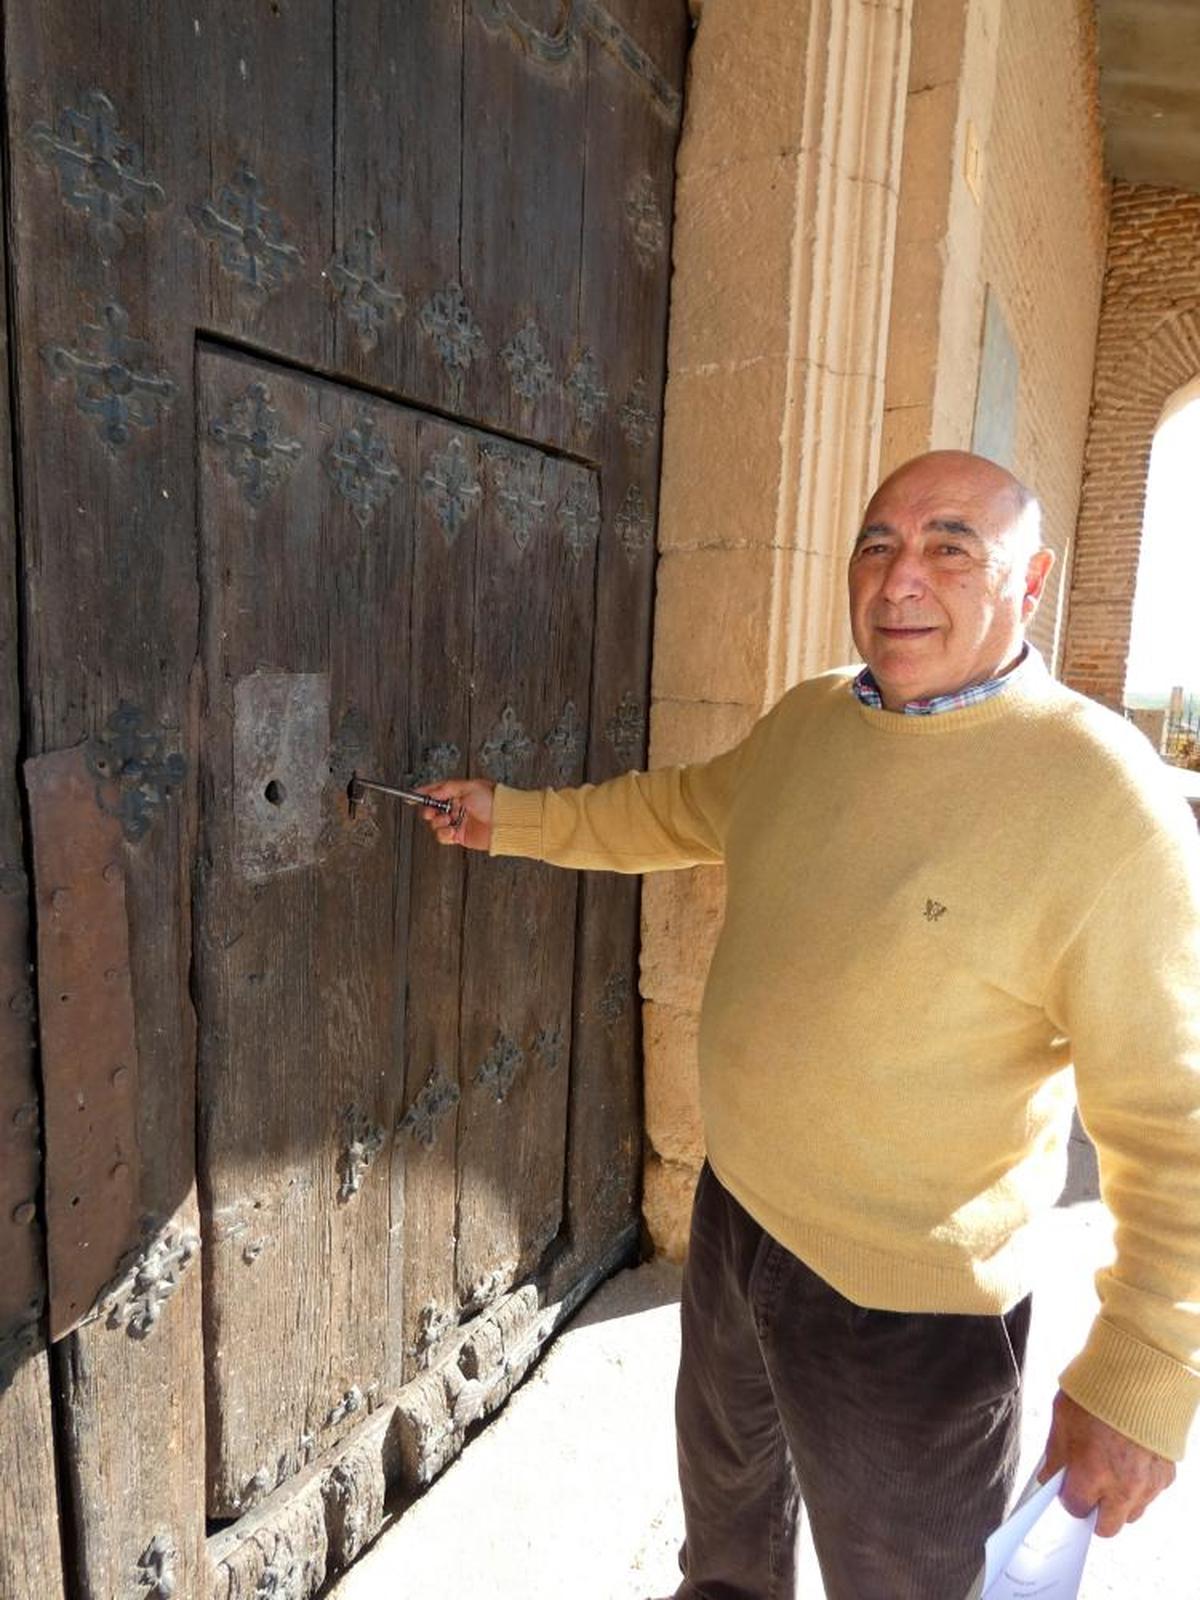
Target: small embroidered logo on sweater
{"type": "Point", "coordinates": [933, 910]}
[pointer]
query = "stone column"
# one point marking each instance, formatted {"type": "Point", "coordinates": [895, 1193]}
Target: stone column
{"type": "Point", "coordinates": [937, 299]}
{"type": "Point", "coordinates": [784, 239]}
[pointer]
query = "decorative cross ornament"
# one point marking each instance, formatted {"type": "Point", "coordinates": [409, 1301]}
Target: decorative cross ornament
{"type": "Point", "coordinates": [524, 355]}
{"type": "Point", "coordinates": [361, 467]}
{"type": "Point", "coordinates": [586, 390]}
{"type": "Point", "coordinates": [358, 276]}
{"type": "Point", "coordinates": [248, 232]}
{"type": "Point", "coordinates": [259, 455]}
{"type": "Point", "coordinates": [579, 516]}
{"type": "Point", "coordinates": [517, 484]}
{"type": "Point", "coordinates": [133, 772]}
{"type": "Point", "coordinates": [451, 488]}
{"type": "Point", "coordinates": [110, 384]}
{"type": "Point", "coordinates": [99, 169]}
{"type": "Point", "coordinates": [507, 750]}
{"type": "Point", "coordinates": [446, 318]}
{"type": "Point", "coordinates": [645, 220]}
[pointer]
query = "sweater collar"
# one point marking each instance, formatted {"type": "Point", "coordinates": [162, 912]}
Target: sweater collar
{"type": "Point", "coordinates": [867, 692]}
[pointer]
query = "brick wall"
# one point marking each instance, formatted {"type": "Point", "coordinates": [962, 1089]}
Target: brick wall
{"type": "Point", "coordinates": [1044, 224]}
{"type": "Point", "coordinates": [1148, 348]}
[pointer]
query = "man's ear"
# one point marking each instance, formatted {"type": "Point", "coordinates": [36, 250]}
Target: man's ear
{"type": "Point", "coordinates": [1036, 574]}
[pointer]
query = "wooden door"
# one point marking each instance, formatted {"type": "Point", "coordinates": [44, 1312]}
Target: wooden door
{"type": "Point", "coordinates": [339, 334]}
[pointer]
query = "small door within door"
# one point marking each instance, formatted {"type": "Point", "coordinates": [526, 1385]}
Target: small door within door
{"type": "Point", "coordinates": [387, 592]}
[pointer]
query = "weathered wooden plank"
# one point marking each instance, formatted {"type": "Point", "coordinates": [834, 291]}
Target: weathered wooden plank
{"type": "Point", "coordinates": [657, 30]}
{"type": "Point", "coordinates": [87, 1034]}
{"type": "Point", "coordinates": [101, 126]}
{"type": "Point", "coordinates": [522, 195]}
{"type": "Point", "coordinates": [259, 191]}
{"type": "Point", "coordinates": [532, 651]}
{"type": "Point", "coordinates": [398, 167]}
{"type": "Point", "coordinates": [450, 471]}
{"type": "Point", "coordinates": [314, 1525]}
{"type": "Point", "coordinates": [300, 970]}
{"type": "Point", "coordinates": [30, 1559]}
{"type": "Point", "coordinates": [630, 150]}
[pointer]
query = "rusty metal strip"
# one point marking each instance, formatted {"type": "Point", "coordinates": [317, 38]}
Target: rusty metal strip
{"type": "Point", "coordinates": [88, 1041]}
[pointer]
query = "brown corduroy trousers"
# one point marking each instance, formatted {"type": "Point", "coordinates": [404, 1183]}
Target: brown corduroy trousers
{"type": "Point", "coordinates": [897, 1432]}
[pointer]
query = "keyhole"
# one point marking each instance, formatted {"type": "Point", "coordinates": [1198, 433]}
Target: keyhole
{"type": "Point", "coordinates": [275, 792]}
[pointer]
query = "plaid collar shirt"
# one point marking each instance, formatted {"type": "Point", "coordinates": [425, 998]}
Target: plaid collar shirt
{"type": "Point", "coordinates": [867, 690]}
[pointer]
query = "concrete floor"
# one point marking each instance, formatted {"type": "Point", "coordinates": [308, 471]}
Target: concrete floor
{"type": "Point", "coordinates": [570, 1491]}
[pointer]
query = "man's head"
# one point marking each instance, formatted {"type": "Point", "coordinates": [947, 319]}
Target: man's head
{"type": "Point", "coordinates": [945, 573]}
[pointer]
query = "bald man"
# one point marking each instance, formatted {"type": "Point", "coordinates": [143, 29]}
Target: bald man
{"type": "Point", "coordinates": [949, 881]}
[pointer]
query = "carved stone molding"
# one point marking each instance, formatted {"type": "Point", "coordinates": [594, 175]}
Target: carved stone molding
{"type": "Point", "coordinates": [99, 169]}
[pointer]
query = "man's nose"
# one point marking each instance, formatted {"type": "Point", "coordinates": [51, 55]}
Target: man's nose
{"type": "Point", "coordinates": [904, 577]}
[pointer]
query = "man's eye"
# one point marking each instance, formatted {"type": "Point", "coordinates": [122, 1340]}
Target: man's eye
{"type": "Point", "coordinates": [873, 549]}
{"type": "Point", "coordinates": [951, 550]}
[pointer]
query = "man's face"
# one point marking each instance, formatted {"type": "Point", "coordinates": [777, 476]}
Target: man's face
{"type": "Point", "coordinates": [941, 579]}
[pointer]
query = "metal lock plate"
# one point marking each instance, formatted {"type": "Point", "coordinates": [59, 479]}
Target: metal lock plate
{"type": "Point", "coordinates": [280, 770]}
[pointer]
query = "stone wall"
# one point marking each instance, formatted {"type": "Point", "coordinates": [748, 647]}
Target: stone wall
{"type": "Point", "coordinates": [1002, 191]}
{"type": "Point", "coordinates": [1148, 348]}
{"type": "Point", "coordinates": [1045, 225]}
{"type": "Point", "coordinates": [783, 247]}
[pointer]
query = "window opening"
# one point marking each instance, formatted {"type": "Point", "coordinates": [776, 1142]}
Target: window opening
{"type": "Point", "coordinates": [1162, 679]}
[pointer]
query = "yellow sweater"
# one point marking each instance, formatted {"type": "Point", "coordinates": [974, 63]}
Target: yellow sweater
{"type": "Point", "coordinates": [928, 920]}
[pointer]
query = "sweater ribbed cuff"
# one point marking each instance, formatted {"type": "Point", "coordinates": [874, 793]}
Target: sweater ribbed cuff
{"type": "Point", "coordinates": [1141, 1392]}
{"type": "Point", "coordinates": [517, 822]}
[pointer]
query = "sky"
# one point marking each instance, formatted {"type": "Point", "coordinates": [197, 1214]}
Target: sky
{"type": "Point", "coordinates": [1165, 645]}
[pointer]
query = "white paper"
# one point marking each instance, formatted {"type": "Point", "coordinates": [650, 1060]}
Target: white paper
{"type": "Point", "coordinates": [1039, 1553]}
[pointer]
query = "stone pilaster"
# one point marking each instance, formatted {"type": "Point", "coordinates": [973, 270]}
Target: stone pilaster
{"type": "Point", "coordinates": [784, 241]}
